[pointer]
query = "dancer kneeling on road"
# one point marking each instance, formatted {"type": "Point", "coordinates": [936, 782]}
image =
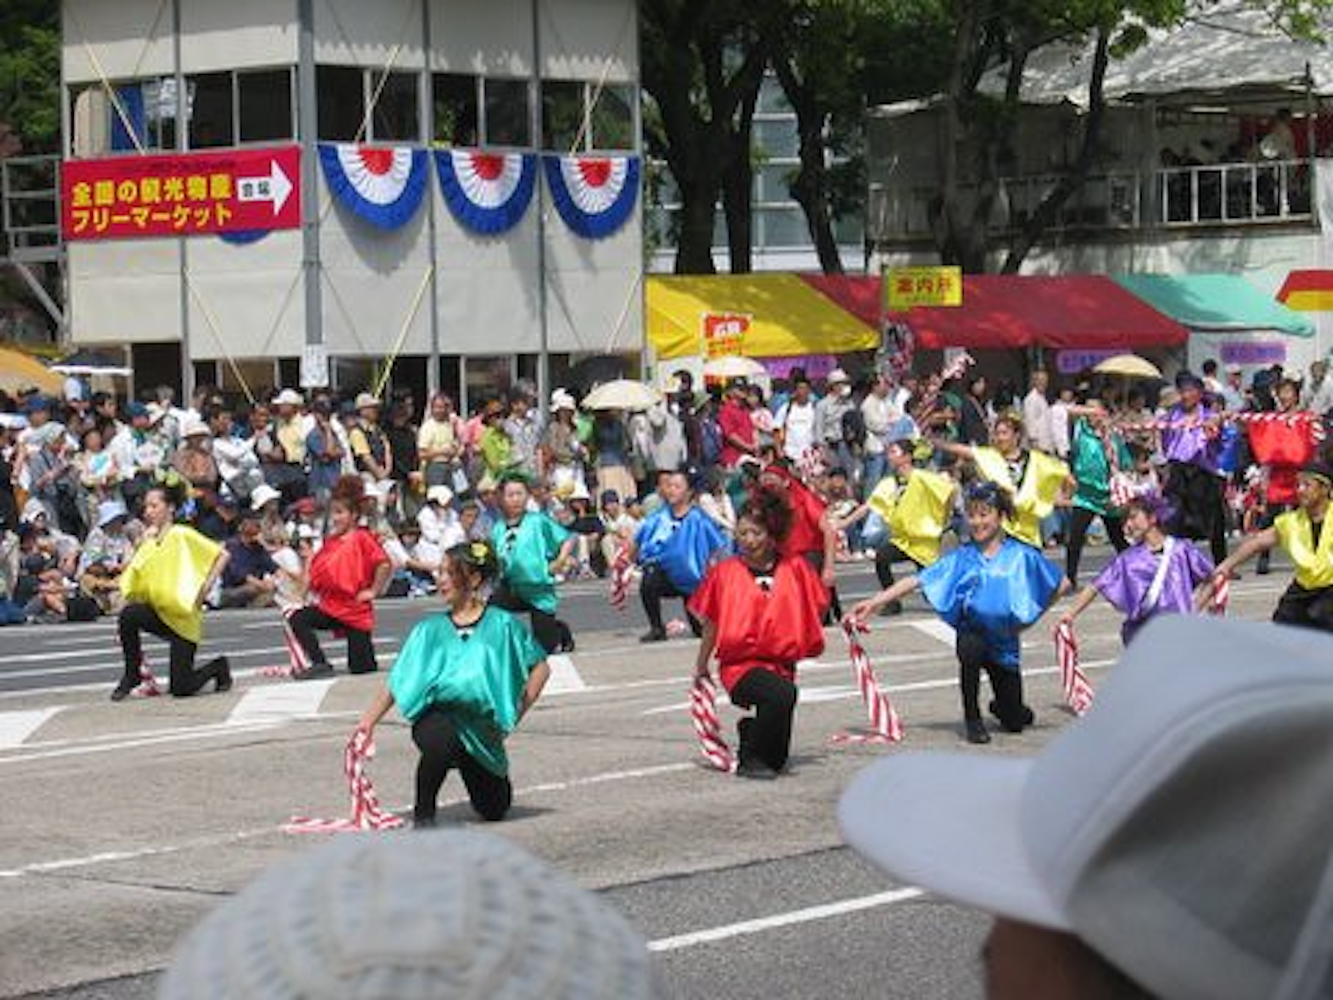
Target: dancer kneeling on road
{"type": "Point", "coordinates": [532, 549]}
{"type": "Point", "coordinates": [346, 575]}
{"type": "Point", "coordinates": [989, 590]}
{"type": "Point", "coordinates": [674, 545]}
{"type": "Point", "coordinates": [761, 612]}
{"type": "Point", "coordinates": [1304, 535]}
{"type": "Point", "coordinates": [165, 583]}
{"type": "Point", "coordinates": [464, 680]}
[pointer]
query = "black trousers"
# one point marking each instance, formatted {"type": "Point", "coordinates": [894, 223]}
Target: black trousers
{"type": "Point", "coordinates": [974, 656]}
{"type": "Point", "coordinates": [1307, 608]}
{"type": "Point", "coordinates": [549, 631]}
{"type": "Point", "coordinates": [441, 749]}
{"type": "Point", "coordinates": [654, 587]}
{"type": "Point", "coordinates": [766, 738]}
{"type": "Point", "coordinates": [1200, 511]}
{"type": "Point", "coordinates": [885, 556]}
{"type": "Point", "coordinates": [134, 620]}
{"type": "Point", "coordinates": [360, 645]}
{"type": "Point", "coordinates": [1080, 519]}
{"type": "Point", "coordinates": [834, 613]}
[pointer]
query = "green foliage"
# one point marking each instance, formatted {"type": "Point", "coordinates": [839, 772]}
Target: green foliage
{"type": "Point", "coordinates": [30, 72]}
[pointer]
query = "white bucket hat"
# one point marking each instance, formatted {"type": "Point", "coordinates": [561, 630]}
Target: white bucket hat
{"type": "Point", "coordinates": [443, 914]}
{"type": "Point", "coordinates": [289, 397]}
{"type": "Point", "coordinates": [263, 494]}
{"type": "Point", "coordinates": [1180, 829]}
{"type": "Point", "coordinates": [440, 494]}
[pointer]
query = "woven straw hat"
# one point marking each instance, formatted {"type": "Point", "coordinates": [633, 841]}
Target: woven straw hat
{"type": "Point", "coordinates": [447, 914]}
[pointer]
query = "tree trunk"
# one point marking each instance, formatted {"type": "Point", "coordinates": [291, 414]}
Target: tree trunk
{"type": "Point", "coordinates": [810, 188]}
{"type": "Point", "coordinates": [738, 180]}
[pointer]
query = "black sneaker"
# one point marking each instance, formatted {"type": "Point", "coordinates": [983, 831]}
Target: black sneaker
{"type": "Point", "coordinates": [1025, 717]}
{"type": "Point", "coordinates": [976, 731]}
{"type": "Point", "coordinates": [223, 681]}
{"type": "Point", "coordinates": [755, 771]}
{"type": "Point", "coordinates": [654, 635]}
{"type": "Point", "coordinates": [316, 671]}
{"type": "Point", "coordinates": [122, 692]}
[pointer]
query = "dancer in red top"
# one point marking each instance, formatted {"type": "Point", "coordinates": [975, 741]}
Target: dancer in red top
{"type": "Point", "coordinates": [811, 536]}
{"type": "Point", "coordinates": [346, 575]}
{"type": "Point", "coordinates": [761, 612]}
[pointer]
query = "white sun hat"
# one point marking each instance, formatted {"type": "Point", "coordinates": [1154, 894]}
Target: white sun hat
{"type": "Point", "coordinates": [1180, 829]}
{"type": "Point", "coordinates": [448, 914]}
{"type": "Point", "coordinates": [263, 493]}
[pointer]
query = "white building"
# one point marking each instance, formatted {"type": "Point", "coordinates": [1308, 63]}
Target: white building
{"type": "Point", "coordinates": [452, 306]}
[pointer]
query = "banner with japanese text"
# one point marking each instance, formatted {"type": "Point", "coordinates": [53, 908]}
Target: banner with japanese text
{"type": "Point", "coordinates": [181, 194]}
{"type": "Point", "coordinates": [724, 334]}
{"type": "Point", "coordinates": [908, 287]}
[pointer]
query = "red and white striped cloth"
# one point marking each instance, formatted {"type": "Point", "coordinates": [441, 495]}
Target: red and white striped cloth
{"type": "Point", "coordinates": [148, 685]}
{"type": "Point", "coordinates": [298, 661]}
{"type": "Point", "coordinates": [707, 726]}
{"type": "Point", "coordinates": [885, 725]}
{"type": "Point", "coordinates": [1318, 430]}
{"type": "Point", "coordinates": [1077, 688]}
{"type": "Point", "coordinates": [366, 811]}
{"type": "Point", "coordinates": [1217, 604]}
{"type": "Point", "coordinates": [621, 574]}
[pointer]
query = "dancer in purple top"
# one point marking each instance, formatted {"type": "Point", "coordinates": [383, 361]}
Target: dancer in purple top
{"type": "Point", "coordinates": [1192, 444]}
{"type": "Point", "coordinates": [1155, 576]}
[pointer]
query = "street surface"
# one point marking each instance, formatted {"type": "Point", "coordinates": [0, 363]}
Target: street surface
{"type": "Point", "coordinates": [124, 823]}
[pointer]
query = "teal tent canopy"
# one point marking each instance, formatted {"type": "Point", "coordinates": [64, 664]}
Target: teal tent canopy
{"type": "Point", "coordinates": [1216, 303]}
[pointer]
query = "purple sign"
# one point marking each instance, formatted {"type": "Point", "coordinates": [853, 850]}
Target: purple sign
{"type": "Point", "coordinates": [1253, 352]}
{"type": "Point", "coordinates": [817, 366]}
{"type": "Point", "coordinates": [1073, 361]}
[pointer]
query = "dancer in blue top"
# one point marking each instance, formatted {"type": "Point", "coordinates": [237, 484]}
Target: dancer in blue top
{"type": "Point", "coordinates": [532, 549]}
{"type": "Point", "coordinates": [989, 590]}
{"type": "Point", "coordinates": [675, 545]}
{"type": "Point", "coordinates": [464, 679]}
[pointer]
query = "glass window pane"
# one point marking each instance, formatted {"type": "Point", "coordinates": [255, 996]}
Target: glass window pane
{"type": "Point", "coordinates": [782, 228]}
{"type": "Point", "coordinates": [508, 114]}
{"type": "Point", "coordinates": [455, 110]}
{"type": "Point", "coordinates": [776, 139]}
{"type": "Point", "coordinates": [849, 231]}
{"type": "Point", "coordinates": [613, 118]}
{"type": "Point", "coordinates": [771, 97]}
{"type": "Point", "coordinates": [154, 114]}
{"type": "Point", "coordinates": [266, 104]}
{"type": "Point", "coordinates": [774, 181]}
{"type": "Point", "coordinates": [210, 110]}
{"type": "Point", "coordinates": [341, 102]}
{"type": "Point", "coordinates": [395, 116]}
{"type": "Point", "coordinates": [562, 116]}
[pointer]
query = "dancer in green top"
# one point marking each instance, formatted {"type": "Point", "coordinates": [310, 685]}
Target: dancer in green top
{"type": "Point", "coordinates": [533, 550]}
{"type": "Point", "coordinates": [464, 680]}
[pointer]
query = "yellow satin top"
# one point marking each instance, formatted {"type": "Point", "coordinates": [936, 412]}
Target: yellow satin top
{"type": "Point", "coordinates": [916, 512]}
{"type": "Point", "coordinates": [1035, 497]}
{"type": "Point", "coordinates": [167, 573]}
{"type": "Point", "coordinates": [1295, 533]}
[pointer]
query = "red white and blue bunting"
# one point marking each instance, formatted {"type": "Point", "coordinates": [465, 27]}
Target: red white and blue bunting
{"type": "Point", "coordinates": [487, 192]}
{"type": "Point", "coordinates": [381, 184]}
{"type": "Point", "coordinates": [593, 194]}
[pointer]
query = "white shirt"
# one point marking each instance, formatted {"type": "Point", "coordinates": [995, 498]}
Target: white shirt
{"type": "Point", "coordinates": [1037, 420]}
{"type": "Point", "coordinates": [880, 414]}
{"type": "Point", "coordinates": [1060, 429]}
{"type": "Point", "coordinates": [797, 421]}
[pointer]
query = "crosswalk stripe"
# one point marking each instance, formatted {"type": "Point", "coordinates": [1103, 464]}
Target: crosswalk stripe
{"type": "Point", "coordinates": [276, 702]}
{"type": "Point", "coordinates": [565, 676]}
{"type": "Point", "coordinates": [936, 629]}
{"type": "Point", "coordinates": [16, 727]}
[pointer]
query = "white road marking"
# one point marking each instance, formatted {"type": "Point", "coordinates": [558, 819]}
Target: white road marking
{"type": "Point", "coordinates": [280, 702]}
{"type": "Point", "coordinates": [806, 915]}
{"type": "Point", "coordinates": [16, 727]}
{"type": "Point", "coordinates": [565, 676]}
{"type": "Point", "coordinates": [936, 629]}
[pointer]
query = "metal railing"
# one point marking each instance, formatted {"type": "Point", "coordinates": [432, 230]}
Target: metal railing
{"type": "Point", "coordinates": [30, 207]}
{"type": "Point", "coordinates": [1232, 194]}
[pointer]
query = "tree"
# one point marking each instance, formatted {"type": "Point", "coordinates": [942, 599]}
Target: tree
{"type": "Point", "coordinates": [30, 73]}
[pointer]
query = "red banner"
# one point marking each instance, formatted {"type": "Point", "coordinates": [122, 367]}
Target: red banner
{"type": "Point", "coordinates": [185, 194]}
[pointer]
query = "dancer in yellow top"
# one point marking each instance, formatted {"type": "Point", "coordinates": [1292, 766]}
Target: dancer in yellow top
{"type": "Point", "coordinates": [1032, 478]}
{"type": "Point", "coordinates": [169, 575]}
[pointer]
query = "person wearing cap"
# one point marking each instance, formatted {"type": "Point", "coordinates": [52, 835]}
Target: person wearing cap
{"type": "Point", "coordinates": [988, 590]}
{"type": "Point", "coordinates": [53, 478]}
{"type": "Point", "coordinates": [561, 455]}
{"type": "Point", "coordinates": [370, 447]}
{"type": "Point", "coordinates": [674, 547]}
{"type": "Point", "coordinates": [464, 679]}
{"type": "Point", "coordinates": [1034, 480]}
{"type": "Point", "coordinates": [169, 577]}
{"type": "Point", "coordinates": [291, 426]}
{"type": "Point", "coordinates": [1156, 575]}
{"type": "Point", "coordinates": [760, 613]}
{"type": "Point", "coordinates": [533, 549]}
{"type": "Point", "coordinates": [1172, 843]}
{"type": "Point", "coordinates": [440, 530]}
{"type": "Point", "coordinates": [346, 575]}
{"type": "Point", "coordinates": [1193, 449]}
{"type": "Point", "coordinates": [1282, 447]}
{"type": "Point", "coordinates": [829, 411]}
{"type": "Point", "coordinates": [194, 460]}
{"type": "Point", "coordinates": [105, 554]}
{"type": "Point", "coordinates": [1302, 534]}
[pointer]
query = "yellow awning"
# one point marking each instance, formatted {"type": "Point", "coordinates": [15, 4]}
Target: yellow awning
{"type": "Point", "coordinates": [788, 317]}
{"type": "Point", "coordinates": [20, 371]}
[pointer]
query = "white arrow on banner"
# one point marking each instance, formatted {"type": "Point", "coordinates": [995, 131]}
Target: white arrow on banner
{"type": "Point", "coordinates": [275, 188]}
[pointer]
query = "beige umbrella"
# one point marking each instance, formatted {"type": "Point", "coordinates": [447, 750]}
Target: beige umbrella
{"type": "Point", "coordinates": [733, 366]}
{"type": "Point", "coordinates": [622, 394]}
{"type": "Point", "coordinates": [1128, 366]}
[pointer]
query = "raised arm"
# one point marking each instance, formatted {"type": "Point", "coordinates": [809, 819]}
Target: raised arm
{"type": "Point", "coordinates": [861, 613]}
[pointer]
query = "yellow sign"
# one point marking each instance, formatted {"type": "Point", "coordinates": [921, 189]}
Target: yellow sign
{"type": "Point", "coordinates": [724, 334]}
{"type": "Point", "coordinates": [906, 287]}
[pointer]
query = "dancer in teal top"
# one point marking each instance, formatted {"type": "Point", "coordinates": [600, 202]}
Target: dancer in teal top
{"type": "Point", "coordinates": [464, 680]}
{"type": "Point", "coordinates": [532, 549]}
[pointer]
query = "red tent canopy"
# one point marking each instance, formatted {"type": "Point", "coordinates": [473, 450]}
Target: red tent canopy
{"type": "Point", "coordinates": [1012, 310]}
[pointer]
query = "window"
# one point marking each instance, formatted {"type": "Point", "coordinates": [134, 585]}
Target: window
{"type": "Point", "coordinates": [342, 102]}
{"type": "Point", "coordinates": [570, 125]}
{"type": "Point", "coordinates": [210, 111]}
{"type": "Point", "coordinates": [562, 116]}
{"type": "Point", "coordinates": [777, 138]}
{"type": "Point", "coordinates": [508, 113]}
{"type": "Point", "coordinates": [782, 227]}
{"type": "Point", "coordinates": [613, 117]}
{"type": "Point", "coordinates": [455, 100]}
{"type": "Point", "coordinates": [395, 115]}
{"type": "Point", "coordinates": [142, 113]}
{"type": "Point", "coordinates": [265, 98]}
